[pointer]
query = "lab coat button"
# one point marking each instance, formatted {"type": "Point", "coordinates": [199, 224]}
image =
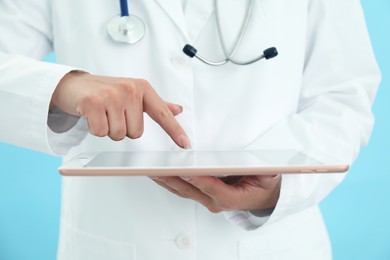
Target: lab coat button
{"type": "Point", "coordinates": [183, 241]}
{"type": "Point", "coordinates": [179, 62]}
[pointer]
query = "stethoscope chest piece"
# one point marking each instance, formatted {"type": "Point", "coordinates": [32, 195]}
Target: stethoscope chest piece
{"type": "Point", "coordinates": [126, 29]}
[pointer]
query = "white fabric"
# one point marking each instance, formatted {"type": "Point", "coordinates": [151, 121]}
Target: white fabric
{"type": "Point", "coordinates": [247, 220]}
{"type": "Point", "coordinates": [316, 94]}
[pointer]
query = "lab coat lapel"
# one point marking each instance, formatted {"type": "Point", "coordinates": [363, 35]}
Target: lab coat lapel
{"type": "Point", "coordinates": [197, 13]}
{"type": "Point", "coordinates": [191, 21]}
{"type": "Point", "coordinates": [174, 10]}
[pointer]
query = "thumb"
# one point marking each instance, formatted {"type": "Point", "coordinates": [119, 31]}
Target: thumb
{"type": "Point", "coordinates": [175, 109]}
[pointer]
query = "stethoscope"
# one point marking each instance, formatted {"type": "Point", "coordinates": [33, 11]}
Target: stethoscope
{"type": "Point", "coordinates": [125, 27]}
{"type": "Point", "coordinates": [129, 29]}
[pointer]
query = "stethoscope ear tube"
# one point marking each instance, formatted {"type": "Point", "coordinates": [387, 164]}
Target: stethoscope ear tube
{"type": "Point", "coordinates": [229, 56]}
{"type": "Point", "coordinates": [191, 52]}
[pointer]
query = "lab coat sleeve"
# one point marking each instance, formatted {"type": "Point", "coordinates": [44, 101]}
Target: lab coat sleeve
{"type": "Point", "coordinates": [26, 83]}
{"type": "Point", "coordinates": [340, 80]}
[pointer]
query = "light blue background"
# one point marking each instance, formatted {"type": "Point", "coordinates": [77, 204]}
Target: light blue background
{"type": "Point", "coordinates": [357, 212]}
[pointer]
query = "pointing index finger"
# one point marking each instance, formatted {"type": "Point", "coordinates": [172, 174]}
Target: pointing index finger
{"type": "Point", "coordinates": [160, 112]}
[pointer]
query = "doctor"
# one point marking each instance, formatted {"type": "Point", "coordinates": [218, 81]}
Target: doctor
{"type": "Point", "coordinates": [317, 94]}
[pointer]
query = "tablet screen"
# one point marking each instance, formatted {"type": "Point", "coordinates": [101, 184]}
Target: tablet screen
{"type": "Point", "coordinates": [201, 159]}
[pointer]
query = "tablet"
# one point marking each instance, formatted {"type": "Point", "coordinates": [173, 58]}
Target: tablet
{"type": "Point", "coordinates": [200, 163]}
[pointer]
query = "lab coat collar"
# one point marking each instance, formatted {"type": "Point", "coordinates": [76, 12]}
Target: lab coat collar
{"type": "Point", "coordinates": [190, 21]}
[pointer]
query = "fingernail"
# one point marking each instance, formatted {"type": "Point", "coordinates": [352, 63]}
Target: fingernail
{"type": "Point", "coordinates": [180, 109]}
{"type": "Point", "coordinates": [185, 178]}
{"type": "Point", "coordinates": [185, 142]}
{"type": "Point", "coordinates": [154, 177]}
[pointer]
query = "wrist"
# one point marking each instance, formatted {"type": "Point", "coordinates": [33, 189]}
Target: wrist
{"type": "Point", "coordinates": [60, 93]}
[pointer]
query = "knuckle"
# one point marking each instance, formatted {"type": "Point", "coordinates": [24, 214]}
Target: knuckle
{"type": "Point", "coordinates": [97, 128]}
{"type": "Point", "coordinates": [100, 132]}
{"type": "Point", "coordinates": [117, 135]}
{"type": "Point", "coordinates": [145, 84]}
{"type": "Point", "coordinates": [129, 88]}
{"type": "Point", "coordinates": [136, 133]}
{"type": "Point", "coordinates": [129, 93]}
{"type": "Point", "coordinates": [116, 138]}
{"type": "Point", "coordinates": [146, 87]}
{"type": "Point", "coordinates": [164, 113]}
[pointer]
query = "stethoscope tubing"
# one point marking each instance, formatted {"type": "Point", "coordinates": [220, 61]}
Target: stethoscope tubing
{"type": "Point", "coordinates": [124, 8]}
{"type": "Point", "coordinates": [131, 21]}
{"type": "Point", "coordinates": [243, 29]}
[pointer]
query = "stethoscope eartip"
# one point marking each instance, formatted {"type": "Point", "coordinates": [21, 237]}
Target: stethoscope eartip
{"type": "Point", "coordinates": [270, 53]}
{"type": "Point", "coordinates": [189, 50]}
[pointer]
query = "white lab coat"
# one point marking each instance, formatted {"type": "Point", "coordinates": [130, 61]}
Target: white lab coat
{"type": "Point", "coordinates": [316, 94]}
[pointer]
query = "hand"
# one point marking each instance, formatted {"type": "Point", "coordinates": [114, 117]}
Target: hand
{"type": "Point", "coordinates": [114, 106]}
{"type": "Point", "coordinates": [248, 193]}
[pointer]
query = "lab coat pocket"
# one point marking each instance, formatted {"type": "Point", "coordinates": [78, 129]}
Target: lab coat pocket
{"type": "Point", "coordinates": [78, 245]}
